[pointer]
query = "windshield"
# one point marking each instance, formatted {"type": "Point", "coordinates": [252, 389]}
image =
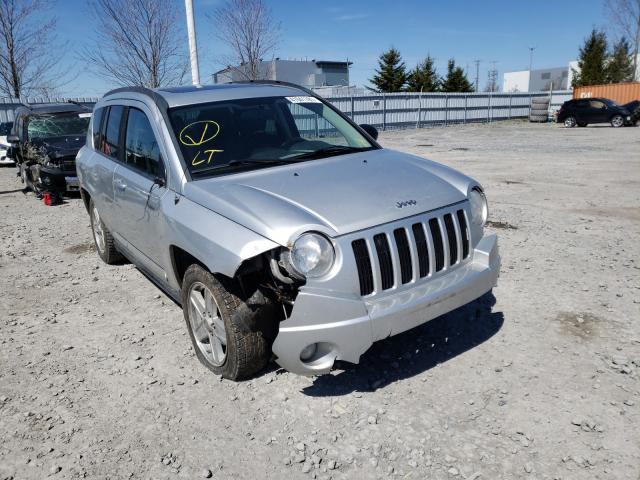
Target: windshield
{"type": "Point", "coordinates": [258, 132]}
{"type": "Point", "coordinates": [56, 125]}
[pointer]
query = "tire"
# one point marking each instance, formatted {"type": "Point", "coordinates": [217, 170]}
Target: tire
{"type": "Point", "coordinates": [246, 351]}
{"type": "Point", "coordinates": [538, 118]}
{"type": "Point", "coordinates": [539, 111]}
{"type": "Point", "coordinates": [570, 122]}
{"type": "Point", "coordinates": [102, 238]}
{"type": "Point", "coordinates": [540, 101]}
{"type": "Point", "coordinates": [617, 121]}
{"type": "Point", "coordinates": [582, 124]}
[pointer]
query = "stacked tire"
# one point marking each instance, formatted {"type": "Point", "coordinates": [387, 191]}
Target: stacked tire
{"type": "Point", "coordinates": [539, 109]}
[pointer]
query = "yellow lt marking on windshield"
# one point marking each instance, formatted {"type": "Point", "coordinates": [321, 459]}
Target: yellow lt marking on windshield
{"type": "Point", "coordinates": [198, 161]}
{"type": "Point", "coordinates": [198, 130]}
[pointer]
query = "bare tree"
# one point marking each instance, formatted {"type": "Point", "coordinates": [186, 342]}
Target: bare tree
{"type": "Point", "coordinates": [28, 59]}
{"type": "Point", "coordinates": [137, 43]}
{"type": "Point", "coordinates": [625, 15]}
{"type": "Point", "coordinates": [251, 33]}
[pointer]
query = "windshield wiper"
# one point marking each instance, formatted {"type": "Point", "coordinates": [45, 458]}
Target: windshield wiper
{"type": "Point", "coordinates": [328, 151]}
{"type": "Point", "coordinates": [236, 163]}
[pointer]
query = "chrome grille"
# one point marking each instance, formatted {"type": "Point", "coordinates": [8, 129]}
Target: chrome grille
{"type": "Point", "coordinates": [417, 249]}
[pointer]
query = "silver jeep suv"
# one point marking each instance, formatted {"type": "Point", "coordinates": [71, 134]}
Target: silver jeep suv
{"type": "Point", "coordinates": [278, 224]}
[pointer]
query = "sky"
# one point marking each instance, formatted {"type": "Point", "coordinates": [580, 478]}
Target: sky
{"type": "Point", "coordinates": [497, 32]}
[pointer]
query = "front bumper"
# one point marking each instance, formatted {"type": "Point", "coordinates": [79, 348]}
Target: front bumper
{"type": "Point", "coordinates": [4, 160]}
{"type": "Point", "coordinates": [60, 181]}
{"type": "Point", "coordinates": [344, 327]}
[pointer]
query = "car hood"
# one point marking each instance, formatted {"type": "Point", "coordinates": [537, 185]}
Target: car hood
{"type": "Point", "coordinates": [335, 195]}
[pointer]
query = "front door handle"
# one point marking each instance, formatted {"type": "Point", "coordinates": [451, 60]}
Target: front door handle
{"type": "Point", "coordinates": [120, 185]}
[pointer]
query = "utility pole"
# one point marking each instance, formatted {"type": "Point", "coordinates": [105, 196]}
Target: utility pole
{"type": "Point", "coordinates": [636, 51]}
{"type": "Point", "coordinates": [477, 62]}
{"type": "Point", "coordinates": [193, 47]}
{"type": "Point", "coordinates": [492, 78]}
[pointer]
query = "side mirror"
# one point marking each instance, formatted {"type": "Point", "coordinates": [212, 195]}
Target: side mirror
{"type": "Point", "coordinates": [371, 130]}
{"type": "Point", "coordinates": [13, 138]}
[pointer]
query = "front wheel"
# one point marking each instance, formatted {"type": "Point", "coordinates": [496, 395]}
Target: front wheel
{"type": "Point", "coordinates": [220, 328]}
{"type": "Point", "coordinates": [617, 121]}
{"type": "Point", "coordinates": [570, 122]}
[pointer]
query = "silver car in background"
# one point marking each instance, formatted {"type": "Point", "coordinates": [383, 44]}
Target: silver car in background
{"type": "Point", "coordinates": [280, 226]}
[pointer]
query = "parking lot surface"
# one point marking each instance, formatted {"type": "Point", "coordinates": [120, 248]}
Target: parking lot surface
{"type": "Point", "coordinates": [540, 379]}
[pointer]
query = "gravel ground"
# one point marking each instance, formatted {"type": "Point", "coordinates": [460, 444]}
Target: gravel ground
{"type": "Point", "coordinates": [539, 380]}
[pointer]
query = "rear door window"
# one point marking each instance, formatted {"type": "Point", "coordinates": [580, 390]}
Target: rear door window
{"type": "Point", "coordinates": [142, 152]}
{"type": "Point", "coordinates": [111, 143]}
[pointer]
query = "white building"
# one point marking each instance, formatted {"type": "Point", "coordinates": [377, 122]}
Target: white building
{"type": "Point", "coordinates": [538, 80]}
{"type": "Point", "coordinates": [313, 73]}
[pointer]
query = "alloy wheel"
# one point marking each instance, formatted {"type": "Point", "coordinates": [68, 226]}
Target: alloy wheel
{"type": "Point", "coordinates": [207, 324]}
{"type": "Point", "coordinates": [570, 122]}
{"type": "Point", "coordinates": [98, 231]}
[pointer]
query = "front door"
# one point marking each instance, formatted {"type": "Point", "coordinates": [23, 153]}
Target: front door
{"type": "Point", "coordinates": [598, 111]}
{"type": "Point", "coordinates": [138, 185]}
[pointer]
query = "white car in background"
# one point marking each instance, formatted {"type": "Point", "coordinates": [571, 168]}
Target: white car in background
{"type": "Point", "coordinates": [5, 129]}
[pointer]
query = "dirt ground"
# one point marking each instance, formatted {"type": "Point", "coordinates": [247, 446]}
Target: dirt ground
{"type": "Point", "coordinates": [540, 380]}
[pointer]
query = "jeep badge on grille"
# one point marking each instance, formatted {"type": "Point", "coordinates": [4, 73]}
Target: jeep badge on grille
{"type": "Point", "coordinates": [405, 203]}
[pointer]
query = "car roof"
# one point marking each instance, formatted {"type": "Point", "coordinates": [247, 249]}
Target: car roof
{"type": "Point", "coordinates": [195, 94]}
{"type": "Point", "coordinates": [52, 108]}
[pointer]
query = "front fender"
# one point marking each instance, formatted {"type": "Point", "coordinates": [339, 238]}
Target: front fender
{"type": "Point", "coordinates": [221, 244]}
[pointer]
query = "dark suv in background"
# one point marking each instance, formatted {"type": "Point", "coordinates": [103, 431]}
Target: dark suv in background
{"type": "Point", "coordinates": [583, 111]}
{"type": "Point", "coordinates": [44, 142]}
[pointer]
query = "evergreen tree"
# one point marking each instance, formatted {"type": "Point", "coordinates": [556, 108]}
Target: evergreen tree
{"type": "Point", "coordinates": [391, 74]}
{"type": "Point", "coordinates": [456, 80]}
{"type": "Point", "coordinates": [424, 77]}
{"type": "Point", "coordinates": [592, 61]}
{"type": "Point", "coordinates": [620, 65]}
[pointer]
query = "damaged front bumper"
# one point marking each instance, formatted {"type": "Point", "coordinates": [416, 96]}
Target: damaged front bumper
{"type": "Point", "coordinates": [58, 180]}
{"type": "Point", "coordinates": [344, 326]}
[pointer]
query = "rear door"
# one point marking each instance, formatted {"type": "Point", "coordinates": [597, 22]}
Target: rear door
{"type": "Point", "coordinates": [139, 186]}
{"type": "Point", "coordinates": [97, 169]}
{"type": "Point", "coordinates": [580, 110]}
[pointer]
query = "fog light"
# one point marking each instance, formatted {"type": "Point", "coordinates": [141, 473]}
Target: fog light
{"type": "Point", "coordinates": [308, 352]}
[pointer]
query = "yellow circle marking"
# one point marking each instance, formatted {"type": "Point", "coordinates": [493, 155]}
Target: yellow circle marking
{"type": "Point", "coordinates": [199, 133]}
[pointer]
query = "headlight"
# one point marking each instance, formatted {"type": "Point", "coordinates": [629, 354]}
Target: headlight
{"type": "Point", "coordinates": [479, 207]}
{"type": "Point", "coordinates": [312, 255]}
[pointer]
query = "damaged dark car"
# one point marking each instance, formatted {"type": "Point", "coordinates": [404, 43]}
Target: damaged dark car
{"type": "Point", "coordinates": [45, 141]}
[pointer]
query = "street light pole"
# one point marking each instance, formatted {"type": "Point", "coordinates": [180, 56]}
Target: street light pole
{"type": "Point", "coordinates": [193, 47]}
{"type": "Point", "coordinates": [531, 49]}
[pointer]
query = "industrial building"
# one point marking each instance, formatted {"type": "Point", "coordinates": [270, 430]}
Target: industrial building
{"type": "Point", "coordinates": [307, 73]}
{"type": "Point", "coordinates": [558, 78]}
{"type": "Point", "coordinates": [536, 80]}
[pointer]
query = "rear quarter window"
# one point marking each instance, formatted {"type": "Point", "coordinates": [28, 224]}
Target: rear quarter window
{"type": "Point", "coordinates": [111, 143]}
{"type": "Point", "coordinates": [96, 123]}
